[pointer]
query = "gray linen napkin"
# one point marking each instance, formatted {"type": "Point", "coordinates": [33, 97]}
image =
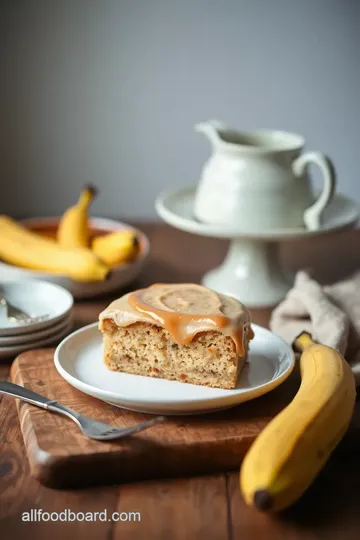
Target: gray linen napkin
{"type": "Point", "coordinates": [330, 313]}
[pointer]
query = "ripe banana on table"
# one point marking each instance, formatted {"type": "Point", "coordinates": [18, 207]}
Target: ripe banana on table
{"type": "Point", "coordinates": [73, 230]}
{"type": "Point", "coordinates": [21, 247]}
{"type": "Point", "coordinates": [117, 247]}
{"type": "Point", "coordinates": [288, 454]}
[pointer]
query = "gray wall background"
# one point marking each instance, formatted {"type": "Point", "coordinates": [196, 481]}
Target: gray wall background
{"type": "Point", "coordinates": [108, 92]}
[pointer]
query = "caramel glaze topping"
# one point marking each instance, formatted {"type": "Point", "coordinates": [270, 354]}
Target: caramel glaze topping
{"type": "Point", "coordinates": [183, 310]}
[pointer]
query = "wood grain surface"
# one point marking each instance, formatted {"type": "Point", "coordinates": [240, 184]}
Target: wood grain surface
{"type": "Point", "coordinates": [208, 507]}
{"type": "Point", "coordinates": [61, 456]}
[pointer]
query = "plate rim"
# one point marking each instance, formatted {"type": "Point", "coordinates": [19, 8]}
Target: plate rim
{"type": "Point", "coordinates": [182, 222]}
{"type": "Point", "coordinates": [28, 328]}
{"type": "Point", "coordinates": [31, 336]}
{"type": "Point", "coordinates": [76, 382]}
{"type": "Point", "coordinates": [15, 350]}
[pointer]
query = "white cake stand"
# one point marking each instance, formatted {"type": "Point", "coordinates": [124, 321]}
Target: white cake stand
{"type": "Point", "coordinates": [251, 270]}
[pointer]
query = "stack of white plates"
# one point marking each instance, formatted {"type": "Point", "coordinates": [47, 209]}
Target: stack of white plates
{"type": "Point", "coordinates": [51, 307]}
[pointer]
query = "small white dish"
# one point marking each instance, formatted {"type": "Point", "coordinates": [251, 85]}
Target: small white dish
{"type": "Point", "coordinates": [120, 276]}
{"type": "Point", "coordinates": [28, 338]}
{"type": "Point", "coordinates": [78, 359]}
{"type": "Point", "coordinates": [36, 298]}
{"type": "Point", "coordinates": [55, 337]}
{"type": "Point", "coordinates": [177, 209]}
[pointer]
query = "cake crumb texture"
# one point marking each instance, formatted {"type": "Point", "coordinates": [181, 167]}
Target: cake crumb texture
{"type": "Point", "coordinates": [146, 349]}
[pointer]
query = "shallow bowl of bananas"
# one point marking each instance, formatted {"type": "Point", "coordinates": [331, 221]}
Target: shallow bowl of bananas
{"type": "Point", "coordinates": [88, 256]}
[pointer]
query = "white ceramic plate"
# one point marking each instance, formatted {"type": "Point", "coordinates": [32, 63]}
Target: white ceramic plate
{"type": "Point", "coordinates": [120, 276]}
{"type": "Point", "coordinates": [35, 298]}
{"type": "Point", "coordinates": [12, 351]}
{"type": "Point", "coordinates": [11, 341]}
{"type": "Point", "coordinates": [79, 360]}
{"type": "Point", "coordinates": [177, 209]}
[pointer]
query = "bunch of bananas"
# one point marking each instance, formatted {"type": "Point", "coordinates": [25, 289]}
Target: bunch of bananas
{"type": "Point", "coordinates": [289, 453]}
{"type": "Point", "coordinates": [73, 252]}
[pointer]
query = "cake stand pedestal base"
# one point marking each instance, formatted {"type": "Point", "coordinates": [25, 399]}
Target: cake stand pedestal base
{"type": "Point", "coordinates": [251, 272]}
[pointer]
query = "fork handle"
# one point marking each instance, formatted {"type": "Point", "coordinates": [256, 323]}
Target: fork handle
{"type": "Point", "coordinates": [24, 394]}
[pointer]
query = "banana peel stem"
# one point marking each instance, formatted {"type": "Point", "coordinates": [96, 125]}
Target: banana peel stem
{"type": "Point", "coordinates": [87, 195]}
{"type": "Point", "coordinates": [302, 341]}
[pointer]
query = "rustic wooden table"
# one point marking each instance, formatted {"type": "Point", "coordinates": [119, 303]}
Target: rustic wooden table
{"type": "Point", "coordinates": [202, 507]}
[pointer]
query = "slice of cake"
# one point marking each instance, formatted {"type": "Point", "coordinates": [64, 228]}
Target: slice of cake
{"type": "Point", "coordinates": [182, 332]}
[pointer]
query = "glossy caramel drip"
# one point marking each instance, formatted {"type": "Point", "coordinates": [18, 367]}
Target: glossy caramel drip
{"type": "Point", "coordinates": [183, 309]}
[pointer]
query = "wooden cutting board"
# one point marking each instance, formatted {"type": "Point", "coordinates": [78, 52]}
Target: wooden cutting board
{"type": "Point", "coordinates": [61, 457]}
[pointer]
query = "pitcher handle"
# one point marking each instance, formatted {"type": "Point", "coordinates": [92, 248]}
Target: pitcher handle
{"type": "Point", "coordinates": [312, 215]}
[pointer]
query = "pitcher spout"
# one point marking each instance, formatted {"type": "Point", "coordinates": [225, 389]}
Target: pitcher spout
{"type": "Point", "coordinates": [211, 130]}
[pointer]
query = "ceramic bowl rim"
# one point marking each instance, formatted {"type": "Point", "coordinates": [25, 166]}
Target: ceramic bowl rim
{"type": "Point", "coordinates": [106, 224]}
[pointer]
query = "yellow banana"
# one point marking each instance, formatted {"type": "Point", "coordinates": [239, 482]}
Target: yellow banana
{"type": "Point", "coordinates": [117, 247]}
{"type": "Point", "coordinates": [21, 247]}
{"type": "Point", "coordinates": [288, 454]}
{"type": "Point", "coordinates": [73, 228]}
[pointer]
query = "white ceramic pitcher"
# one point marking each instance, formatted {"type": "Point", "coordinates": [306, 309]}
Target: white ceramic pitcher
{"type": "Point", "coordinates": [258, 181]}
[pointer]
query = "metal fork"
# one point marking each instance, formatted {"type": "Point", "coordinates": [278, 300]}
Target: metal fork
{"type": "Point", "coordinates": [15, 314]}
{"type": "Point", "coordinates": [91, 428]}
